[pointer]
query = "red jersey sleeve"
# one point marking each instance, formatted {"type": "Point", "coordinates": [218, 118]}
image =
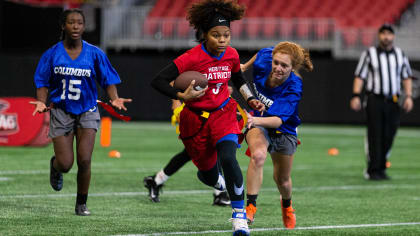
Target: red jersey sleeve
{"type": "Point", "coordinates": [184, 61]}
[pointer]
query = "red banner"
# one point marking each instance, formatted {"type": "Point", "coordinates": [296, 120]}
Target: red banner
{"type": "Point", "coordinates": [17, 125]}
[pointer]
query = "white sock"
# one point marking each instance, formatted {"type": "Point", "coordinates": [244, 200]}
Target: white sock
{"type": "Point", "coordinates": [161, 177]}
{"type": "Point", "coordinates": [221, 185]}
{"type": "Point", "coordinates": [217, 192]}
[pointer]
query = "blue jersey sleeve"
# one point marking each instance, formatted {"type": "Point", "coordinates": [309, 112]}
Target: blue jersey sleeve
{"type": "Point", "coordinates": [106, 74]}
{"type": "Point", "coordinates": [286, 105]}
{"type": "Point", "coordinates": [43, 70]}
{"type": "Point", "coordinates": [262, 64]}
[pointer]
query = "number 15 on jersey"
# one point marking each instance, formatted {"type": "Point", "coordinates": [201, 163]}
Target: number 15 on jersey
{"type": "Point", "coordinates": [73, 91]}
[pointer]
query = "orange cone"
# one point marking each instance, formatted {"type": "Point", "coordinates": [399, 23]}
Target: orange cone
{"type": "Point", "coordinates": [333, 152]}
{"type": "Point", "coordinates": [106, 123]}
{"type": "Point", "coordinates": [114, 154]}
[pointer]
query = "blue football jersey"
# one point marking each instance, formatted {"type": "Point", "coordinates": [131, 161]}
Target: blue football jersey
{"type": "Point", "coordinates": [281, 101]}
{"type": "Point", "coordinates": [71, 83]}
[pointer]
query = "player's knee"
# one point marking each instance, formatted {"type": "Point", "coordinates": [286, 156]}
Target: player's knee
{"type": "Point", "coordinates": [259, 157]}
{"type": "Point", "coordinates": [64, 165]}
{"type": "Point", "coordinates": [84, 164]}
{"type": "Point", "coordinates": [282, 181]}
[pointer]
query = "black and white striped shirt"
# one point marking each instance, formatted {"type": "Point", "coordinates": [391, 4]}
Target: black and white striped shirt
{"type": "Point", "coordinates": [383, 70]}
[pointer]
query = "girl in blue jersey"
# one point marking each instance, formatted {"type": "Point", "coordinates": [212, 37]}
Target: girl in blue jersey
{"type": "Point", "coordinates": [67, 71]}
{"type": "Point", "coordinates": [279, 86]}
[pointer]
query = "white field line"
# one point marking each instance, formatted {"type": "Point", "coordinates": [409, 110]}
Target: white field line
{"type": "Point", "coordinates": [304, 129]}
{"type": "Point", "coordinates": [193, 192]}
{"type": "Point", "coordinates": [5, 179]}
{"type": "Point", "coordinates": [47, 171]}
{"type": "Point", "coordinates": [280, 229]}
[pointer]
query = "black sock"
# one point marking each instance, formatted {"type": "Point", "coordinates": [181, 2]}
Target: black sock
{"type": "Point", "coordinates": [81, 198]}
{"type": "Point", "coordinates": [286, 202]}
{"type": "Point", "coordinates": [251, 198]}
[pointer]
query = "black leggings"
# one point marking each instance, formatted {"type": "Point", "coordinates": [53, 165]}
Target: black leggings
{"type": "Point", "coordinates": [226, 154]}
{"type": "Point", "coordinates": [178, 161]}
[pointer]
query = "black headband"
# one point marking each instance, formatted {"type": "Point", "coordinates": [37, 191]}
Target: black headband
{"type": "Point", "coordinates": [217, 20]}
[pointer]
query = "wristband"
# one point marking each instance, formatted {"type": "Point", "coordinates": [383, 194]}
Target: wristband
{"type": "Point", "coordinates": [356, 95]}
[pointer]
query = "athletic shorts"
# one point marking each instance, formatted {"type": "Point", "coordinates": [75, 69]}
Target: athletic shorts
{"type": "Point", "coordinates": [200, 135]}
{"type": "Point", "coordinates": [63, 123]}
{"type": "Point", "coordinates": [282, 143]}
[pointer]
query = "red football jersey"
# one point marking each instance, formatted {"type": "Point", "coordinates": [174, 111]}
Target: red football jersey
{"type": "Point", "coordinates": [218, 71]}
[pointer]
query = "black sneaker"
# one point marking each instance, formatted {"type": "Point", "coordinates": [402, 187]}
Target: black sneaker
{"type": "Point", "coordinates": [81, 210]}
{"type": "Point", "coordinates": [154, 189]}
{"type": "Point", "coordinates": [384, 176]}
{"type": "Point", "coordinates": [374, 176]}
{"type": "Point", "coordinates": [222, 199]}
{"type": "Point", "coordinates": [56, 178]}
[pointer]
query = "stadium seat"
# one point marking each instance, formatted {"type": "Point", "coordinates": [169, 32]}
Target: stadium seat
{"type": "Point", "coordinates": [322, 29]}
{"type": "Point", "coordinates": [350, 36]}
{"type": "Point", "coordinates": [183, 28]}
{"type": "Point", "coordinates": [285, 27]}
{"type": "Point", "coordinates": [303, 27]}
{"type": "Point", "coordinates": [269, 27]}
{"type": "Point", "coordinates": [260, 14]}
{"type": "Point", "coordinates": [237, 28]}
{"type": "Point", "coordinates": [368, 37]}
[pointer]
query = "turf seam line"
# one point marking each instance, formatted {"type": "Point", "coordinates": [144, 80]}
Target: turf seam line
{"type": "Point", "coordinates": [186, 192]}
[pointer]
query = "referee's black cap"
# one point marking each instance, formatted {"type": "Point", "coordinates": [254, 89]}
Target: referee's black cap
{"type": "Point", "coordinates": [386, 27]}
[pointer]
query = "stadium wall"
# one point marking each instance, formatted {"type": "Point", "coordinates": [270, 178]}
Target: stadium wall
{"type": "Point", "coordinates": [327, 89]}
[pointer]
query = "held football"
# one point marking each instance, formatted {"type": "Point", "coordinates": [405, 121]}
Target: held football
{"type": "Point", "coordinates": [184, 80]}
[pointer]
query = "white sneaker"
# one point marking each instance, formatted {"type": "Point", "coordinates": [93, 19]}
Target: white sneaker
{"type": "Point", "coordinates": [239, 222]}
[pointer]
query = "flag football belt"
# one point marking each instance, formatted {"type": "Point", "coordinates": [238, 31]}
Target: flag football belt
{"type": "Point", "coordinates": [204, 115]}
{"type": "Point", "coordinates": [389, 98]}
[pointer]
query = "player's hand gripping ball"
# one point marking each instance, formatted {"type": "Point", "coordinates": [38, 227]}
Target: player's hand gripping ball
{"type": "Point", "coordinates": [184, 80]}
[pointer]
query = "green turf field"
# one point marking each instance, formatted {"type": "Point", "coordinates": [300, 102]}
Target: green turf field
{"type": "Point", "coordinates": [330, 194]}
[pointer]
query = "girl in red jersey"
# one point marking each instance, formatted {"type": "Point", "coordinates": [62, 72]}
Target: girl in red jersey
{"type": "Point", "coordinates": [208, 125]}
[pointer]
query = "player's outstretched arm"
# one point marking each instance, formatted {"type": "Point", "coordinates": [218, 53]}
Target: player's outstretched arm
{"type": "Point", "coordinates": [248, 64]}
{"type": "Point", "coordinates": [115, 100]}
{"type": "Point", "coordinates": [239, 82]}
{"type": "Point", "coordinates": [268, 122]}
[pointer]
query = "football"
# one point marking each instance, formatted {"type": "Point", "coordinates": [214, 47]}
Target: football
{"type": "Point", "coordinates": [184, 80]}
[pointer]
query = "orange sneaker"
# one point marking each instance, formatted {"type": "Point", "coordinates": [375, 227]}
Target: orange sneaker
{"type": "Point", "coordinates": [250, 212]}
{"type": "Point", "coordinates": [289, 217]}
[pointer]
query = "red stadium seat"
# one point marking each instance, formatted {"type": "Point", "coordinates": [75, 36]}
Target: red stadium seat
{"type": "Point", "coordinates": [253, 27]}
{"type": "Point", "coordinates": [303, 27]}
{"type": "Point", "coordinates": [368, 37]}
{"type": "Point", "coordinates": [183, 28]}
{"type": "Point", "coordinates": [262, 14]}
{"type": "Point", "coordinates": [322, 29]}
{"type": "Point", "coordinates": [350, 36]}
{"type": "Point", "coordinates": [269, 27]}
{"type": "Point", "coordinates": [150, 25]}
{"type": "Point", "coordinates": [237, 28]}
{"type": "Point", "coordinates": [285, 28]}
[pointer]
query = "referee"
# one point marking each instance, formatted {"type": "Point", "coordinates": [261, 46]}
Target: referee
{"type": "Point", "coordinates": [381, 71]}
